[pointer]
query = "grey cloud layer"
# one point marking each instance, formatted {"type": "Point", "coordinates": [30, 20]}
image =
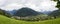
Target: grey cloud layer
{"type": "Point", "coordinates": [34, 4]}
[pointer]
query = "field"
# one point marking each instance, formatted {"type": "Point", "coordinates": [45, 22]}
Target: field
{"type": "Point", "coordinates": [6, 20]}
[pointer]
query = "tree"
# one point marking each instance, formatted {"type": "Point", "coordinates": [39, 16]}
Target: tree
{"type": "Point", "coordinates": [57, 12]}
{"type": "Point", "coordinates": [58, 3]}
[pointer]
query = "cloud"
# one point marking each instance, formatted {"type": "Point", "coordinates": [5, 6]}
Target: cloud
{"type": "Point", "coordinates": [2, 3]}
{"type": "Point", "coordinates": [37, 5]}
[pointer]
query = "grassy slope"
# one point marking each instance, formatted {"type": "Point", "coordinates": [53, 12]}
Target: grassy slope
{"type": "Point", "coordinates": [5, 20]}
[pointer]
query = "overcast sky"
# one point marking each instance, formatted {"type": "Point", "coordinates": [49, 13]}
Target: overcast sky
{"type": "Point", "coordinates": [37, 5]}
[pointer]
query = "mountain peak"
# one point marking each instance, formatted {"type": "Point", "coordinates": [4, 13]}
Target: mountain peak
{"type": "Point", "coordinates": [25, 11]}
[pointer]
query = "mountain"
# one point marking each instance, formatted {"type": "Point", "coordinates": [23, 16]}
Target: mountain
{"type": "Point", "coordinates": [12, 12]}
{"type": "Point", "coordinates": [25, 11]}
{"type": "Point", "coordinates": [55, 13]}
{"type": "Point", "coordinates": [5, 13]}
{"type": "Point", "coordinates": [2, 12]}
{"type": "Point", "coordinates": [47, 12]}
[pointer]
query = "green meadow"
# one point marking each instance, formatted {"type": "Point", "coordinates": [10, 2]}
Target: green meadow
{"type": "Point", "coordinates": [6, 20]}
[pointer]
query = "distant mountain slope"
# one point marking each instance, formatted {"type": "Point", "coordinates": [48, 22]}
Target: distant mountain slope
{"type": "Point", "coordinates": [12, 12]}
{"type": "Point", "coordinates": [47, 12]}
{"type": "Point", "coordinates": [25, 11]}
{"type": "Point", "coordinates": [2, 12]}
{"type": "Point", "coordinates": [5, 13]}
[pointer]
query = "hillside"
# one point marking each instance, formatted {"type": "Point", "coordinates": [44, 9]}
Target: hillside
{"type": "Point", "coordinates": [5, 20]}
{"type": "Point", "coordinates": [25, 11]}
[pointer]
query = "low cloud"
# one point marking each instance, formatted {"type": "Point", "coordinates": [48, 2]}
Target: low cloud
{"type": "Point", "coordinates": [37, 5]}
